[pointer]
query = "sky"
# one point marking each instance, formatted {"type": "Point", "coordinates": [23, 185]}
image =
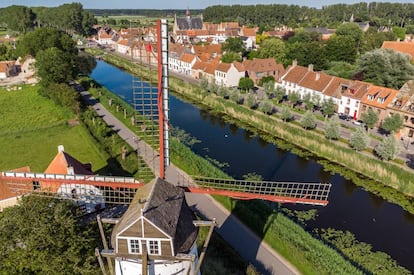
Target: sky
{"type": "Point", "coordinates": [177, 4]}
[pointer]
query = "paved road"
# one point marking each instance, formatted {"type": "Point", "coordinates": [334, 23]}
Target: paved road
{"type": "Point", "coordinates": [249, 245]}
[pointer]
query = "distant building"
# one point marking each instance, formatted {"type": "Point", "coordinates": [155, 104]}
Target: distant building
{"type": "Point", "coordinates": [401, 47]}
{"type": "Point", "coordinates": [183, 25]}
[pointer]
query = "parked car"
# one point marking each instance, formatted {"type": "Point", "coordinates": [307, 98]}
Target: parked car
{"type": "Point", "coordinates": [344, 117]}
{"type": "Point", "coordinates": [358, 122]}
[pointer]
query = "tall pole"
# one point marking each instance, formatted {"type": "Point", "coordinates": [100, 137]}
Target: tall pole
{"type": "Point", "coordinates": [162, 49]}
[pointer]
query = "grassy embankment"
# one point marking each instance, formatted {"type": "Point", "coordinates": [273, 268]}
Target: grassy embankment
{"type": "Point", "coordinates": [31, 128]}
{"type": "Point", "coordinates": [393, 182]}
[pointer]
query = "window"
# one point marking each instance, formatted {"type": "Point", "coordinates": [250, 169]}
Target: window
{"type": "Point", "coordinates": [153, 247]}
{"type": "Point", "coordinates": [134, 246]}
{"type": "Point", "coordinates": [348, 101]}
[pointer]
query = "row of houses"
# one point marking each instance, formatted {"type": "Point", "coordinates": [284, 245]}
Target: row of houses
{"type": "Point", "coordinates": [352, 97]}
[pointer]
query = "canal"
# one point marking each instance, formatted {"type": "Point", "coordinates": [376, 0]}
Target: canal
{"type": "Point", "coordinates": [387, 227]}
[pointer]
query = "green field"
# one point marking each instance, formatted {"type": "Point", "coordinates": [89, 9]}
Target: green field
{"type": "Point", "coordinates": [31, 128]}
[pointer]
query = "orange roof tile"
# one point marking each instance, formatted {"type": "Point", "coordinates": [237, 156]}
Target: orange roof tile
{"type": "Point", "coordinates": [223, 67]}
{"type": "Point", "coordinates": [239, 66]}
{"type": "Point", "coordinates": [295, 74]}
{"type": "Point", "coordinates": [248, 31]}
{"type": "Point", "coordinates": [402, 47]}
{"type": "Point", "coordinates": [187, 57]}
{"type": "Point", "coordinates": [260, 65]}
{"type": "Point", "coordinates": [379, 97]}
{"type": "Point", "coordinates": [335, 87]}
{"type": "Point", "coordinates": [316, 81]}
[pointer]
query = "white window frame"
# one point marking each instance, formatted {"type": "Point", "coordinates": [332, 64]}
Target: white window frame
{"type": "Point", "coordinates": [158, 243]}
{"type": "Point", "coordinates": [131, 246]}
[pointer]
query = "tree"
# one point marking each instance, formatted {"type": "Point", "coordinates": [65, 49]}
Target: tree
{"type": "Point", "coordinates": [42, 38]}
{"type": "Point", "coordinates": [246, 83]}
{"type": "Point", "coordinates": [353, 31]}
{"type": "Point", "coordinates": [341, 48]}
{"type": "Point", "coordinates": [54, 65]}
{"type": "Point", "coordinates": [332, 128]}
{"type": "Point", "coordinates": [229, 57]}
{"type": "Point", "coordinates": [235, 96]}
{"type": "Point", "coordinates": [308, 120]}
{"type": "Point", "coordinates": [399, 32]}
{"type": "Point", "coordinates": [328, 107]}
{"type": "Point", "coordinates": [233, 44]}
{"type": "Point", "coordinates": [370, 118]}
{"type": "Point", "coordinates": [63, 95]}
{"type": "Point", "coordinates": [18, 18]}
{"type": "Point", "coordinates": [392, 123]}
{"type": "Point", "coordinates": [273, 48]}
{"type": "Point", "coordinates": [286, 113]}
{"type": "Point", "coordinates": [42, 236]}
{"type": "Point", "coordinates": [204, 84]}
{"type": "Point", "coordinates": [316, 99]}
{"type": "Point", "coordinates": [269, 88]}
{"type": "Point", "coordinates": [307, 99]}
{"type": "Point", "coordinates": [388, 148]}
{"type": "Point", "coordinates": [293, 97]}
{"type": "Point", "coordinates": [341, 69]}
{"type": "Point", "coordinates": [359, 140]}
{"type": "Point", "coordinates": [250, 101]}
{"type": "Point", "coordinates": [212, 87]}
{"type": "Point", "coordinates": [280, 92]}
{"type": "Point", "coordinates": [266, 107]}
{"type": "Point", "coordinates": [223, 92]}
{"type": "Point", "coordinates": [85, 63]}
{"type": "Point", "coordinates": [386, 68]}
{"type": "Point", "coordinates": [307, 53]}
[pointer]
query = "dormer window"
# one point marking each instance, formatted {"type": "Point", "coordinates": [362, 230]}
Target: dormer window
{"type": "Point", "coordinates": [370, 97]}
{"type": "Point", "coordinates": [134, 246]}
{"type": "Point", "coordinates": [381, 100]}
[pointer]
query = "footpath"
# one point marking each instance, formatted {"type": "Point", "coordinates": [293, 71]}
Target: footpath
{"type": "Point", "coordinates": [239, 236]}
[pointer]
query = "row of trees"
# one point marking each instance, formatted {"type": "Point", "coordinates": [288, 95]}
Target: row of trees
{"type": "Point", "coordinates": [70, 18]}
{"type": "Point", "coordinates": [359, 140]}
{"type": "Point", "coordinates": [268, 16]}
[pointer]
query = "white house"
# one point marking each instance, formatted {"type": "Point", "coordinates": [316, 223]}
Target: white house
{"type": "Point", "coordinates": [228, 75]}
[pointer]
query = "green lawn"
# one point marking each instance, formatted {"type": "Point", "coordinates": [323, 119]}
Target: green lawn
{"type": "Point", "coordinates": [24, 110]}
{"type": "Point", "coordinates": [31, 128]}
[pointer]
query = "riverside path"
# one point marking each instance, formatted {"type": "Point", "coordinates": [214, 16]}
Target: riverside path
{"type": "Point", "coordinates": [239, 236]}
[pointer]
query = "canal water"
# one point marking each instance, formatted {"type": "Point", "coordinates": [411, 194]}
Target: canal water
{"type": "Point", "coordinates": [387, 227]}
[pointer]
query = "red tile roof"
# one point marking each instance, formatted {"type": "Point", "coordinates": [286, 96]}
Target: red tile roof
{"type": "Point", "coordinates": [402, 47]}
{"type": "Point", "coordinates": [223, 67]}
{"type": "Point", "coordinates": [379, 97]}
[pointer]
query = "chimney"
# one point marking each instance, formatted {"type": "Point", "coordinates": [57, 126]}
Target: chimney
{"type": "Point", "coordinates": [61, 149]}
{"type": "Point", "coordinates": [317, 76]}
{"type": "Point", "coordinates": [310, 68]}
{"type": "Point", "coordinates": [294, 63]}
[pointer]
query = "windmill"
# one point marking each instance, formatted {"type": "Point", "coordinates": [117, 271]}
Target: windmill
{"type": "Point", "coordinates": [143, 238]}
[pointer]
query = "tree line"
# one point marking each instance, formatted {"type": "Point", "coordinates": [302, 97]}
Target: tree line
{"type": "Point", "coordinates": [379, 14]}
{"type": "Point", "coordinates": [71, 18]}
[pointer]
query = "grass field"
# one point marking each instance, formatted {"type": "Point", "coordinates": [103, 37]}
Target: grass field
{"type": "Point", "coordinates": [31, 128]}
